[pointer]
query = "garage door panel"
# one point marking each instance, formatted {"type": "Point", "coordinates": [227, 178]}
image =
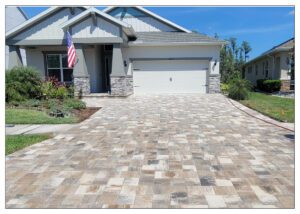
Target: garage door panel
{"type": "Point", "coordinates": [169, 76]}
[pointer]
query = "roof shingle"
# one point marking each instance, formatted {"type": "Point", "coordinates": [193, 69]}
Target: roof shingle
{"type": "Point", "coordinates": [172, 37]}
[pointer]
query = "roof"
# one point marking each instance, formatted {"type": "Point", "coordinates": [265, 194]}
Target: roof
{"type": "Point", "coordinates": [32, 21]}
{"type": "Point", "coordinates": [284, 46]}
{"type": "Point", "coordinates": [107, 10]}
{"type": "Point", "coordinates": [174, 37]}
{"type": "Point", "coordinates": [90, 11]}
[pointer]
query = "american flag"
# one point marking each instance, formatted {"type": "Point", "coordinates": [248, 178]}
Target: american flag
{"type": "Point", "coordinates": [71, 51]}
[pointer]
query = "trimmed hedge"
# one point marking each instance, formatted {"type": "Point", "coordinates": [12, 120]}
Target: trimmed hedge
{"type": "Point", "coordinates": [268, 85]}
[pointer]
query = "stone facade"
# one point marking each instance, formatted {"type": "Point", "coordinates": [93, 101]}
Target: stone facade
{"type": "Point", "coordinates": [214, 83]}
{"type": "Point", "coordinates": [82, 86]}
{"type": "Point", "coordinates": [285, 85]}
{"type": "Point", "coordinates": [121, 85]}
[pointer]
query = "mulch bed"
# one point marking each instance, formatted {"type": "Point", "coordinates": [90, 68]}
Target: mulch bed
{"type": "Point", "coordinates": [84, 114]}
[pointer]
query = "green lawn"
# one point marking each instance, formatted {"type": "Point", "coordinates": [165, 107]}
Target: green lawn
{"type": "Point", "coordinates": [27, 116]}
{"type": "Point", "coordinates": [279, 108]}
{"type": "Point", "coordinates": [16, 142]}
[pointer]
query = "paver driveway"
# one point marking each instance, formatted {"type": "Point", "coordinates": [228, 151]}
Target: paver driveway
{"type": "Point", "coordinates": [158, 151]}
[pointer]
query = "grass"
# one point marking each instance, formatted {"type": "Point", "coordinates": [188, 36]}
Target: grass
{"type": "Point", "coordinates": [279, 108]}
{"type": "Point", "coordinates": [28, 116]}
{"type": "Point", "coordinates": [16, 142]}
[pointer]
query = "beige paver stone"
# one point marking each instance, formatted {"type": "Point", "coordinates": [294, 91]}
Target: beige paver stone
{"type": "Point", "coordinates": [150, 151]}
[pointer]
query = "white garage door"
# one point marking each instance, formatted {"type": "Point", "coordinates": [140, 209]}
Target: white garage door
{"type": "Point", "coordinates": [170, 76]}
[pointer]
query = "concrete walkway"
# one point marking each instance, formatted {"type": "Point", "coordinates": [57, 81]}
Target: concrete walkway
{"type": "Point", "coordinates": [38, 129]}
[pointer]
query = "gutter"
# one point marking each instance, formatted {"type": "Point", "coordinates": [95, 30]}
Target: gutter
{"type": "Point", "coordinates": [174, 43]}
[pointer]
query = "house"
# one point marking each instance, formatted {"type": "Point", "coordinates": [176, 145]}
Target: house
{"type": "Point", "coordinates": [120, 51]}
{"type": "Point", "coordinates": [276, 63]}
{"type": "Point", "coordinates": [14, 17]}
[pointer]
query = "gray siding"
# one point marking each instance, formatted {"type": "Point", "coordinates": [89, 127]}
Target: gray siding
{"type": "Point", "coordinates": [103, 28]}
{"type": "Point", "coordinates": [49, 28]}
{"type": "Point", "coordinates": [147, 24]}
{"type": "Point", "coordinates": [13, 18]}
{"type": "Point", "coordinates": [140, 21]}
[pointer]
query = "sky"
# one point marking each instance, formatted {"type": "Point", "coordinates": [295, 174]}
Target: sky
{"type": "Point", "coordinates": [262, 27]}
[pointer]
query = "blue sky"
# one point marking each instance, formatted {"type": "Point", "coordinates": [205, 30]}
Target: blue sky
{"type": "Point", "coordinates": [262, 27]}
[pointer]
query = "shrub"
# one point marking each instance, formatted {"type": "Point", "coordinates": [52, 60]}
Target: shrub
{"type": "Point", "coordinates": [48, 90]}
{"type": "Point", "coordinates": [74, 104]}
{"type": "Point", "coordinates": [61, 92]}
{"type": "Point", "coordinates": [260, 84]}
{"type": "Point", "coordinates": [52, 88]}
{"type": "Point", "coordinates": [224, 87]}
{"type": "Point", "coordinates": [239, 89]}
{"type": "Point", "coordinates": [71, 91]}
{"type": "Point", "coordinates": [268, 85]}
{"type": "Point", "coordinates": [22, 83]}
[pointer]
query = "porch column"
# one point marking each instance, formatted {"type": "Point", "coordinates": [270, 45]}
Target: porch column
{"type": "Point", "coordinates": [120, 83]}
{"type": "Point", "coordinates": [117, 67]}
{"type": "Point", "coordinates": [80, 73]}
{"type": "Point", "coordinates": [14, 57]}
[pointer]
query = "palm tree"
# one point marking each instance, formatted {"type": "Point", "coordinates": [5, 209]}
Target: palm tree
{"type": "Point", "coordinates": [246, 48]}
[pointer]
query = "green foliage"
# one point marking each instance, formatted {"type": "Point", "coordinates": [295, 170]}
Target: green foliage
{"type": "Point", "coordinates": [16, 142]}
{"type": "Point", "coordinates": [279, 108]}
{"type": "Point", "coordinates": [22, 83]}
{"type": "Point", "coordinates": [30, 116]}
{"type": "Point", "coordinates": [48, 90]}
{"type": "Point", "coordinates": [51, 90]}
{"type": "Point", "coordinates": [61, 92]}
{"type": "Point", "coordinates": [232, 59]}
{"type": "Point", "coordinates": [268, 85]}
{"type": "Point", "coordinates": [74, 104]}
{"type": "Point", "coordinates": [239, 89]}
{"type": "Point", "coordinates": [224, 88]}
{"type": "Point", "coordinates": [31, 103]}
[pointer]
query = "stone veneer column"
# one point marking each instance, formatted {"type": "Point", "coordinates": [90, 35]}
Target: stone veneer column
{"type": "Point", "coordinates": [214, 83]}
{"type": "Point", "coordinates": [80, 73]}
{"type": "Point", "coordinates": [14, 58]}
{"type": "Point", "coordinates": [120, 83]}
{"type": "Point", "coordinates": [285, 85]}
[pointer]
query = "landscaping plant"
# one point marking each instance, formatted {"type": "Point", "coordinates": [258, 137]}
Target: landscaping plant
{"type": "Point", "coordinates": [268, 85]}
{"type": "Point", "coordinates": [22, 83]}
{"type": "Point", "coordinates": [239, 89]}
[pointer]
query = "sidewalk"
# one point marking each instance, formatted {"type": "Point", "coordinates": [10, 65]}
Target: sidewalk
{"type": "Point", "coordinates": [38, 129]}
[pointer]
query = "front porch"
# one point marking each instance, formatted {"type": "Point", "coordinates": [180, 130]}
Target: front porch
{"type": "Point", "coordinates": [105, 75]}
{"type": "Point", "coordinates": [99, 68]}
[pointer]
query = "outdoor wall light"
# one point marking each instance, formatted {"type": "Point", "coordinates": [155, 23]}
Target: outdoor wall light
{"type": "Point", "coordinates": [125, 63]}
{"type": "Point", "coordinates": [215, 63]}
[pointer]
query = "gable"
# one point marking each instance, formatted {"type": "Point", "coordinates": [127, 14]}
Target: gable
{"type": "Point", "coordinates": [140, 21]}
{"type": "Point", "coordinates": [14, 17]}
{"type": "Point", "coordinates": [49, 27]}
{"type": "Point", "coordinates": [89, 28]}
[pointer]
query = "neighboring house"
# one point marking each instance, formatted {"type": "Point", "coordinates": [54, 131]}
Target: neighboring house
{"type": "Point", "coordinates": [276, 63]}
{"type": "Point", "coordinates": [14, 17]}
{"type": "Point", "coordinates": [121, 50]}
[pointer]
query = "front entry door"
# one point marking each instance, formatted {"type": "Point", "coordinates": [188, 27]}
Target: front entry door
{"type": "Point", "coordinates": [107, 71]}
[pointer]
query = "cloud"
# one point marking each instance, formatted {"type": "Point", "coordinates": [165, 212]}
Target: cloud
{"type": "Point", "coordinates": [258, 30]}
{"type": "Point", "coordinates": [291, 13]}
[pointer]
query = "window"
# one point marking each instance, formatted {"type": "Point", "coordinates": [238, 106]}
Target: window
{"type": "Point", "coordinates": [267, 69]}
{"type": "Point", "coordinates": [263, 68]}
{"type": "Point", "coordinates": [256, 70]}
{"type": "Point", "coordinates": [57, 66]}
